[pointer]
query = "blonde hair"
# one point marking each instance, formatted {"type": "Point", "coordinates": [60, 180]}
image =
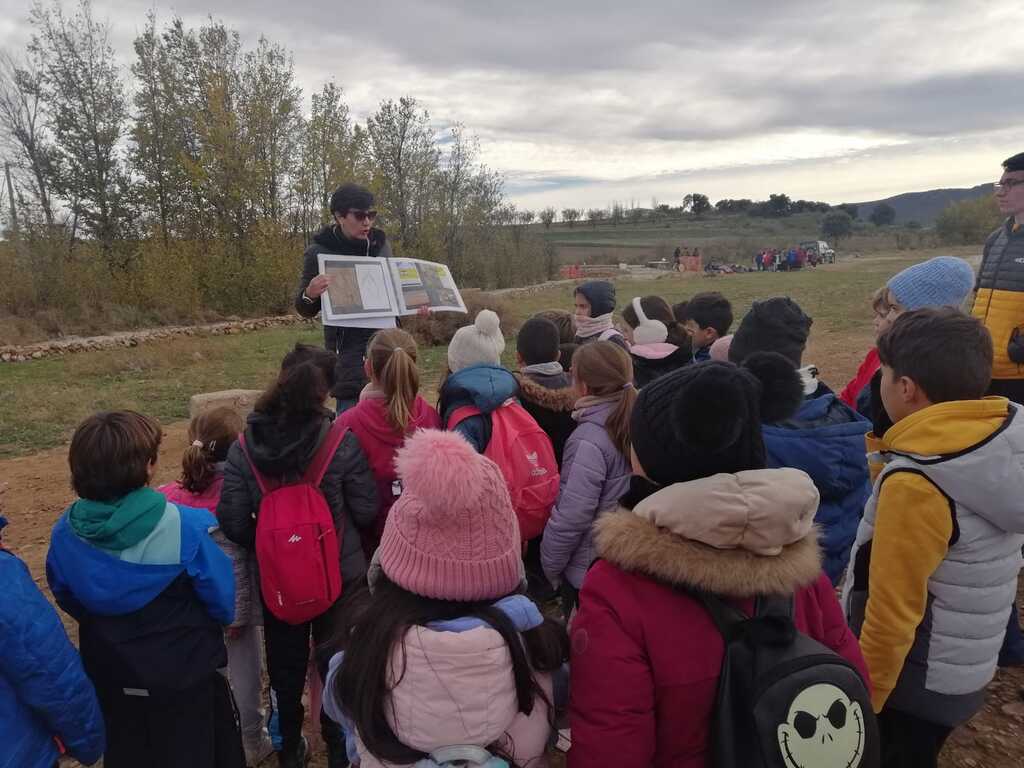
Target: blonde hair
{"type": "Point", "coordinates": [607, 369]}
{"type": "Point", "coordinates": [880, 300]}
{"type": "Point", "coordinates": [392, 356]}
{"type": "Point", "coordinates": [210, 435]}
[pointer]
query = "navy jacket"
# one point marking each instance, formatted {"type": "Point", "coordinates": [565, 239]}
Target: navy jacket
{"type": "Point", "coordinates": [44, 691]}
{"type": "Point", "coordinates": [826, 440]}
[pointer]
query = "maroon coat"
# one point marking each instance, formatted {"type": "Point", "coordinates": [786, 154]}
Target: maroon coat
{"type": "Point", "coordinates": [646, 657]}
{"type": "Point", "coordinates": [380, 441]}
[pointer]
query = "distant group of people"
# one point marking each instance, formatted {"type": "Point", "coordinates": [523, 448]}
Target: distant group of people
{"type": "Point", "coordinates": [684, 260]}
{"type": "Point", "coordinates": [779, 260]}
{"type": "Point", "coordinates": [690, 499]}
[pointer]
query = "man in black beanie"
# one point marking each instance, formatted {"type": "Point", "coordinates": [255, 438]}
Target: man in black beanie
{"type": "Point", "coordinates": [825, 438]}
{"type": "Point", "coordinates": [350, 234]}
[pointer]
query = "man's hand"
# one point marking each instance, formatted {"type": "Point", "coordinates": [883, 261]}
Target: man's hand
{"type": "Point", "coordinates": [317, 286]}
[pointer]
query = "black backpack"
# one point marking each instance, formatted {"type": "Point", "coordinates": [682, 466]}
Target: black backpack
{"type": "Point", "coordinates": [784, 699]}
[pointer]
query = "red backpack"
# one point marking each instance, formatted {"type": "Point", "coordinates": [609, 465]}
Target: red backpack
{"type": "Point", "coordinates": [523, 452]}
{"type": "Point", "coordinates": [297, 547]}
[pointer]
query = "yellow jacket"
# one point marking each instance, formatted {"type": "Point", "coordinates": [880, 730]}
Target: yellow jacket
{"type": "Point", "coordinates": [999, 301]}
{"type": "Point", "coordinates": [949, 481]}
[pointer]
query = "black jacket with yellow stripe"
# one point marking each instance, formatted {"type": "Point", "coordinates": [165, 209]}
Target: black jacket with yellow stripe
{"type": "Point", "coordinates": [999, 301]}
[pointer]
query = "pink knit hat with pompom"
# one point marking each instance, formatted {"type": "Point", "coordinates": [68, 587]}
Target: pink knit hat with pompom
{"type": "Point", "coordinates": [452, 534]}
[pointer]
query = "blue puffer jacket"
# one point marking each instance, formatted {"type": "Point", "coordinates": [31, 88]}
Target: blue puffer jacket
{"type": "Point", "coordinates": [485, 387]}
{"type": "Point", "coordinates": [826, 440]}
{"type": "Point", "coordinates": [44, 692]}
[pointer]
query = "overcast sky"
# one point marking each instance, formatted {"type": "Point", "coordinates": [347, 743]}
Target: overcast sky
{"type": "Point", "coordinates": [587, 102]}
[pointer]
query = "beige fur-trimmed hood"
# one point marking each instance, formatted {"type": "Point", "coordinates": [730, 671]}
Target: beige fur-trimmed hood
{"type": "Point", "coordinates": [739, 535]}
{"type": "Point", "coordinates": [563, 399]}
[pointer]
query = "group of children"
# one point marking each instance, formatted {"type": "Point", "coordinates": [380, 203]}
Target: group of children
{"type": "Point", "coordinates": [670, 461]}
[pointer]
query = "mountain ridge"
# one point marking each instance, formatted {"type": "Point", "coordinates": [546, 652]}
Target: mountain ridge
{"type": "Point", "coordinates": [924, 207]}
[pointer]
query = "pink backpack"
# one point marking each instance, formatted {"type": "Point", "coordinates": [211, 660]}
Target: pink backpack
{"type": "Point", "coordinates": [297, 547]}
{"type": "Point", "coordinates": [523, 453]}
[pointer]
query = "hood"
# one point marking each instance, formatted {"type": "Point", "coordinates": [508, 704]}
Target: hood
{"type": "Point", "coordinates": [600, 294]}
{"type": "Point", "coordinates": [108, 586]}
{"type": "Point", "coordinates": [455, 683]}
{"type": "Point", "coordinates": [825, 439]}
{"type": "Point", "coordinates": [370, 417]}
{"type": "Point", "coordinates": [736, 535]}
{"type": "Point", "coordinates": [973, 450]}
{"type": "Point", "coordinates": [657, 351]}
{"type": "Point", "coordinates": [559, 400]}
{"type": "Point", "coordinates": [485, 386]}
{"type": "Point", "coordinates": [331, 240]}
{"type": "Point", "coordinates": [278, 450]}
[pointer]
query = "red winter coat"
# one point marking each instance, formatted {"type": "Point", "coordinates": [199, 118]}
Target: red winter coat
{"type": "Point", "coordinates": [646, 657]}
{"type": "Point", "coordinates": [380, 441]}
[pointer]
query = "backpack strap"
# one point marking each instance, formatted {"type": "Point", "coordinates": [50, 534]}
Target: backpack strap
{"type": "Point", "coordinates": [261, 481]}
{"type": "Point", "coordinates": [322, 459]}
{"type": "Point", "coordinates": [770, 624]}
{"type": "Point", "coordinates": [459, 415]}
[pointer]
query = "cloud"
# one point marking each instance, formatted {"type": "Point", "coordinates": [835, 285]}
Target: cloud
{"type": "Point", "coordinates": [588, 97]}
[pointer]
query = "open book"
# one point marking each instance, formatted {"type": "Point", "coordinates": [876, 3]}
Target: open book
{"type": "Point", "coordinates": [363, 287]}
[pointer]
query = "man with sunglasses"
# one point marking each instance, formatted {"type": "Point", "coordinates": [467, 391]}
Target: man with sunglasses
{"type": "Point", "coordinates": [999, 302]}
{"type": "Point", "coordinates": [350, 234]}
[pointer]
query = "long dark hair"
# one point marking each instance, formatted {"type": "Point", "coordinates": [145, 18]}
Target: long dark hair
{"type": "Point", "coordinates": [297, 395]}
{"type": "Point", "coordinates": [372, 623]}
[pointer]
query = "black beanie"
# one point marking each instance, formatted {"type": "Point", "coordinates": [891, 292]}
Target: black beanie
{"type": "Point", "coordinates": [706, 418]}
{"type": "Point", "coordinates": [349, 196]}
{"type": "Point", "coordinates": [772, 325]}
{"type": "Point", "coordinates": [600, 294]}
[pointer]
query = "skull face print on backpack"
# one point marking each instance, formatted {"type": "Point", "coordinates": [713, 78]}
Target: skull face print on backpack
{"type": "Point", "coordinates": [784, 699]}
{"type": "Point", "coordinates": [526, 459]}
{"type": "Point", "coordinates": [297, 546]}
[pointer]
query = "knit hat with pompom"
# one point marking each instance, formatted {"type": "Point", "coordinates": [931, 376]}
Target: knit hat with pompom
{"type": "Point", "coordinates": [478, 344]}
{"type": "Point", "coordinates": [452, 534]}
{"type": "Point", "coordinates": [706, 418]}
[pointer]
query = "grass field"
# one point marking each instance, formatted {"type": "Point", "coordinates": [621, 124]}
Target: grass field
{"type": "Point", "coordinates": [42, 400]}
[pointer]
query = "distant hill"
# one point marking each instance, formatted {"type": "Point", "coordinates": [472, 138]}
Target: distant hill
{"type": "Point", "coordinates": [924, 207]}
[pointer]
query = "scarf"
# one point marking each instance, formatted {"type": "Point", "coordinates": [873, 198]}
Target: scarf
{"type": "Point", "coordinates": [587, 327]}
{"type": "Point", "coordinates": [118, 525]}
{"type": "Point", "coordinates": [589, 401]}
{"type": "Point", "coordinates": [544, 369]}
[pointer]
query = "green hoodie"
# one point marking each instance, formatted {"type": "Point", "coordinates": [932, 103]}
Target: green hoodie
{"type": "Point", "coordinates": [118, 525]}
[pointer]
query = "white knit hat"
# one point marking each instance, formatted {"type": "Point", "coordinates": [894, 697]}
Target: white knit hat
{"type": "Point", "coordinates": [478, 344]}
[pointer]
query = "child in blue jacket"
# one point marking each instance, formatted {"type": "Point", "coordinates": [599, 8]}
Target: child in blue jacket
{"type": "Point", "coordinates": [825, 438]}
{"type": "Point", "coordinates": [47, 704]}
{"type": "Point", "coordinates": [151, 592]}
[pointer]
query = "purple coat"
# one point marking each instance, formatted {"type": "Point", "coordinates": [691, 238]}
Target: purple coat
{"type": "Point", "coordinates": [594, 475]}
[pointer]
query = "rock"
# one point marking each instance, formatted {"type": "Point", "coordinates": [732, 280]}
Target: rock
{"type": "Point", "coordinates": [239, 400]}
{"type": "Point", "coordinates": [38, 354]}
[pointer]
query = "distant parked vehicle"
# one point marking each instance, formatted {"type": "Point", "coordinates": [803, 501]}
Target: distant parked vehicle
{"type": "Point", "coordinates": [820, 251]}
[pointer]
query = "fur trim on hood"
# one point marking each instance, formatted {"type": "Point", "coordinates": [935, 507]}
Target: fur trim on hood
{"type": "Point", "coordinates": [552, 399]}
{"type": "Point", "coordinates": [736, 535]}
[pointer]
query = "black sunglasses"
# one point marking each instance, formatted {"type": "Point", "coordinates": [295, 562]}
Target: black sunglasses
{"type": "Point", "coordinates": [362, 215]}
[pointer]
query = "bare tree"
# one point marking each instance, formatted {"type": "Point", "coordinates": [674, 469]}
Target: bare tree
{"type": "Point", "coordinates": [571, 215]}
{"type": "Point", "coordinates": [402, 143]}
{"type": "Point", "coordinates": [22, 131]}
{"type": "Point", "coordinates": [547, 216]}
{"type": "Point", "coordinates": [86, 110]}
